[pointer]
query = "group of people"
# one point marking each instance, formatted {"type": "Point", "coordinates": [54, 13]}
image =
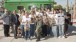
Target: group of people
{"type": "Point", "coordinates": [35, 23]}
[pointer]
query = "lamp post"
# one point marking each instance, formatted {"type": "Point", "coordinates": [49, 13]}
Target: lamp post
{"type": "Point", "coordinates": [67, 8]}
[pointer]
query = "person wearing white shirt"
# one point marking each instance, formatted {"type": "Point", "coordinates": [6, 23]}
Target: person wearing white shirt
{"type": "Point", "coordinates": [54, 25]}
{"type": "Point", "coordinates": [22, 20]}
{"type": "Point", "coordinates": [49, 14]}
{"type": "Point", "coordinates": [25, 18]}
{"type": "Point", "coordinates": [61, 22]}
{"type": "Point", "coordinates": [19, 12]}
{"type": "Point", "coordinates": [39, 13]}
{"type": "Point", "coordinates": [32, 24]}
{"type": "Point", "coordinates": [27, 26]}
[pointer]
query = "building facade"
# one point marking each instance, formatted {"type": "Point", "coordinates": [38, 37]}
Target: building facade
{"type": "Point", "coordinates": [21, 4]}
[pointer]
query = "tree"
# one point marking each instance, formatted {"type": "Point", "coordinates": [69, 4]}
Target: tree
{"type": "Point", "coordinates": [53, 2]}
{"type": "Point", "coordinates": [57, 7]}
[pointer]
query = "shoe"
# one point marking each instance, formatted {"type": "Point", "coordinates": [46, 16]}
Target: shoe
{"type": "Point", "coordinates": [38, 40]}
{"type": "Point", "coordinates": [59, 37]}
{"type": "Point", "coordinates": [55, 37]}
{"type": "Point", "coordinates": [23, 36]}
{"type": "Point", "coordinates": [63, 37]}
{"type": "Point", "coordinates": [30, 38]}
{"type": "Point", "coordinates": [26, 38]}
{"type": "Point", "coordinates": [15, 37]}
{"type": "Point", "coordinates": [6, 36]}
{"type": "Point", "coordinates": [12, 32]}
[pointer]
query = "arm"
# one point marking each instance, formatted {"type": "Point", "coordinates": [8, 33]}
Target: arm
{"type": "Point", "coordinates": [3, 16]}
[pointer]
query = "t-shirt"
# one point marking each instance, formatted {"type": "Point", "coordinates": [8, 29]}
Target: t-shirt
{"type": "Point", "coordinates": [32, 16]}
{"type": "Point", "coordinates": [56, 18]}
{"type": "Point", "coordinates": [39, 14]}
{"type": "Point", "coordinates": [61, 19]}
{"type": "Point", "coordinates": [28, 19]}
{"type": "Point", "coordinates": [24, 19]}
{"type": "Point", "coordinates": [6, 19]}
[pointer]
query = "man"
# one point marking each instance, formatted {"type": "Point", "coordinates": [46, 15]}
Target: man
{"type": "Point", "coordinates": [16, 23]}
{"type": "Point", "coordinates": [6, 23]}
{"type": "Point", "coordinates": [12, 21]}
{"type": "Point", "coordinates": [38, 28]}
{"type": "Point", "coordinates": [67, 22]}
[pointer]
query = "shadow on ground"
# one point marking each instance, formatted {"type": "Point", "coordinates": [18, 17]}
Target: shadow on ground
{"type": "Point", "coordinates": [71, 30]}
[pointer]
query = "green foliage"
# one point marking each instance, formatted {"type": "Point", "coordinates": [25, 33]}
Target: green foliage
{"type": "Point", "coordinates": [57, 7]}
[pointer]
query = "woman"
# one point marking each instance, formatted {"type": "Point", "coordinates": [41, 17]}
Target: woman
{"type": "Point", "coordinates": [27, 27]}
{"type": "Point", "coordinates": [32, 24]}
{"type": "Point", "coordinates": [45, 25]}
{"type": "Point", "coordinates": [54, 19]}
{"type": "Point", "coordinates": [21, 19]}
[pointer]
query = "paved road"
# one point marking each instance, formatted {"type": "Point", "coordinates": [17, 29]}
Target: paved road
{"type": "Point", "coordinates": [71, 37]}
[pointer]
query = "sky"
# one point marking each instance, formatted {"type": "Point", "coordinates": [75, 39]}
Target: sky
{"type": "Point", "coordinates": [0, 0]}
{"type": "Point", "coordinates": [64, 2]}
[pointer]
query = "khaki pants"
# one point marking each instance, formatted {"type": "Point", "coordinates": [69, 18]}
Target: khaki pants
{"type": "Point", "coordinates": [38, 33]}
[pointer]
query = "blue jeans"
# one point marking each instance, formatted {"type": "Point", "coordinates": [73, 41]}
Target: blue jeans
{"type": "Point", "coordinates": [27, 34]}
{"type": "Point", "coordinates": [54, 31]}
{"type": "Point", "coordinates": [32, 29]}
{"type": "Point", "coordinates": [49, 31]}
{"type": "Point", "coordinates": [61, 30]}
{"type": "Point", "coordinates": [23, 33]}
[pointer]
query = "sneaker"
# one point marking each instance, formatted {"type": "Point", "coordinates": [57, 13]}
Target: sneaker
{"type": "Point", "coordinates": [55, 37]}
{"type": "Point", "coordinates": [59, 37]}
{"type": "Point", "coordinates": [26, 38]}
{"type": "Point", "coordinates": [12, 32]}
{"type": "Point", "coordinates": [6, 36]}
{"type": "Point", "coordinates": [63, 37]}
{"type": "Point", "coordinates": [37, 40]}
{"type": "Point", "coordinates": [15, 37]}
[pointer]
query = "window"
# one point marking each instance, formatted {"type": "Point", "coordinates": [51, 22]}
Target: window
{"type": "Point", "coordinates": [48, 6]}
{"type": "Point", "coordinates": [20, 7]}
{"type": "Point", "coordinates": [29, 7]}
